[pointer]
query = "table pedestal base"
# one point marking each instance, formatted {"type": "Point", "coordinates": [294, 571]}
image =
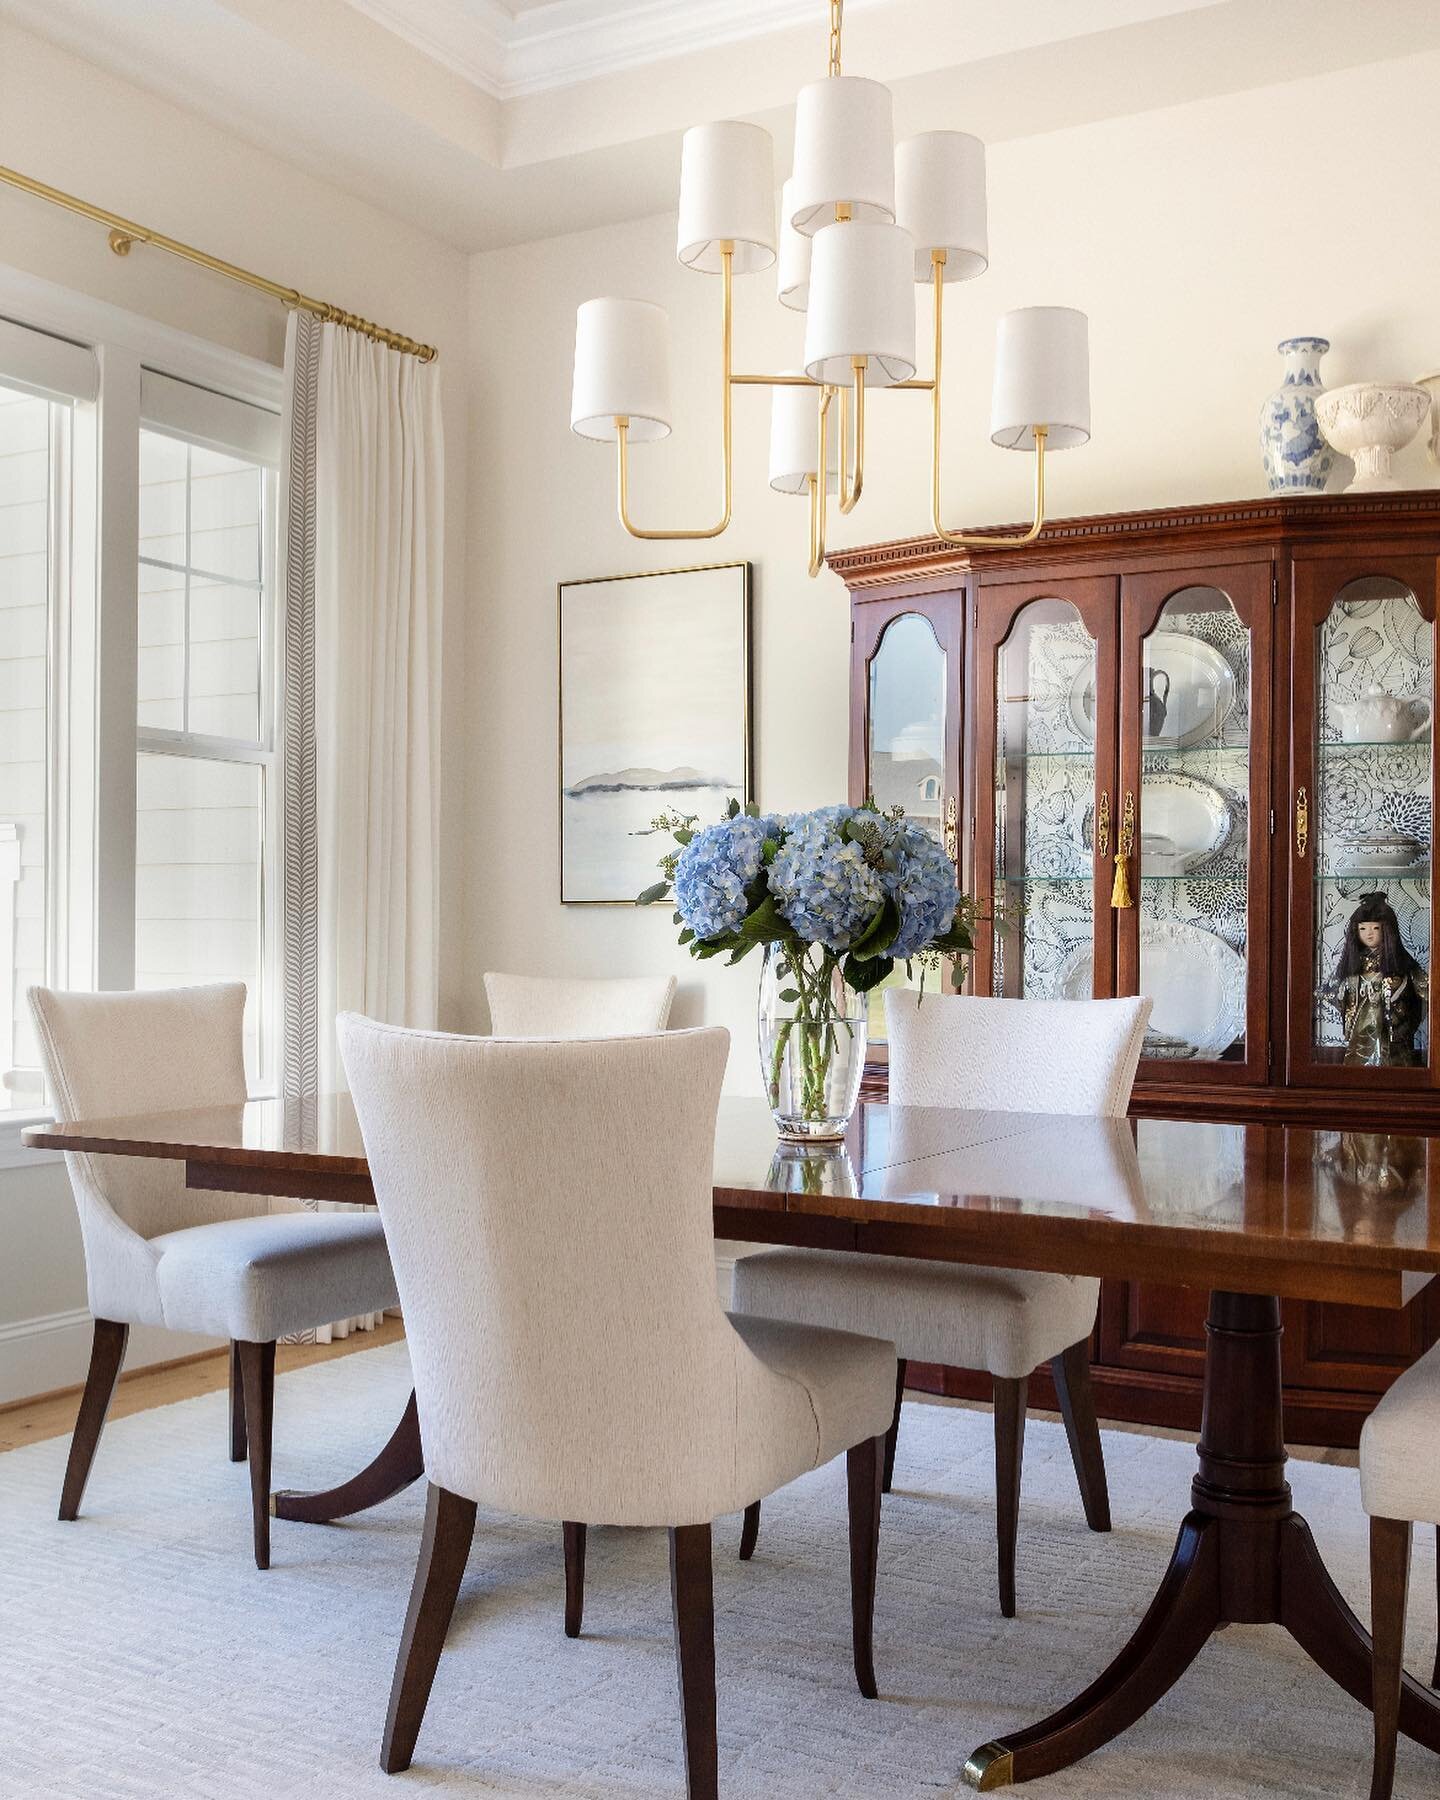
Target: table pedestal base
{"type": "Point", "coordinates": [401, 1462]}
{"type": "Point", "coordinates": [1243, 1557]}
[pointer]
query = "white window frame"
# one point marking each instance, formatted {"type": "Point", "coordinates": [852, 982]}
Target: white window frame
{"type": "Point", "coordinates": [119, 369]}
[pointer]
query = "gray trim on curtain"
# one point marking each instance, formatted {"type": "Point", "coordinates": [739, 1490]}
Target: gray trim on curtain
{"type": "Point", "coordinates": [300, 885]}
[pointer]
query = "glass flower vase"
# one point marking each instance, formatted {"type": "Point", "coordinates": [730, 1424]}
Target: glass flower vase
{"type": "Point", "coordinates": [812, 1031]}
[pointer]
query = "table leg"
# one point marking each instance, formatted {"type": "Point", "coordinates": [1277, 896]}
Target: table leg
{"type": "Point", "coordinates": [399, 1464]}
{"type": "Point", "coordinates": [1244, 1556]}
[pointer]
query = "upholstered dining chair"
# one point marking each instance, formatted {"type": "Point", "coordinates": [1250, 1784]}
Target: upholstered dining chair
{"type": "Point", "coordinates": [551, 1006]}
{"type": "Point", "coordinates": [549, 1211]}
{"type": "Point", "coordinates": [1400, 1485]}
{"type": "Point", "coordinates": [158, 1254]}
{"type": "Point", "coordinates": [1070, 1056]}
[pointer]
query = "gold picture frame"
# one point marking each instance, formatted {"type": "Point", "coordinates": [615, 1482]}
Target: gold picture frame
{"type": "Point", "coordinates": [654, 687]}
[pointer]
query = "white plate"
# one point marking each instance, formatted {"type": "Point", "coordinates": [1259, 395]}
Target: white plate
{"type": "Point", "coordinates": [1184, 821]}
{"type": "Point", "coordinates": [1188, 677]}
{"type": "Point", "coordinates": [1195, 979]}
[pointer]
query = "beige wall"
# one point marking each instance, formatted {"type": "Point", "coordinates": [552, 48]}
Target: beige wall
{"type": "Point", "coordinates": [1195, 238]}
{"type": "Point", "coordinates": [69, 124]}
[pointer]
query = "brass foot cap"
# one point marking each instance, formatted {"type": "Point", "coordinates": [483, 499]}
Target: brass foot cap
{"type": "Point", "coordinates": [989, 1767]}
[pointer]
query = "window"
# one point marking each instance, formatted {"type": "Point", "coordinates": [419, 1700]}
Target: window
{"type": "Point", "coordinates": [139, 795]}
{"type": "Point", "coordinates": [34, 530]}
{"type": "Point", "coordinates": [205, 768]}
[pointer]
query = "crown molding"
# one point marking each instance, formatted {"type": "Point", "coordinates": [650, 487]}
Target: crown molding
{"type": "Point", "coordinates": [564, 42]}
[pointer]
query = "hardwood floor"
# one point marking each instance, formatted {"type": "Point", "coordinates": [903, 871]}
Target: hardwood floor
{"type": "Point", "coordinates": [53, 1415]}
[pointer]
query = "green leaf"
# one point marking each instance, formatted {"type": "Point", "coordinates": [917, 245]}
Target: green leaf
{"type": "Point", "coordinates": [789, 994]}
{"type": "Point", "coordinates": [752, 811]}
{"type": "Point", "coordinates": [682, 836]}
{"type": "Point", "coordinates": [732, 811]}
{"type": "Point", "coordinates": [766, 925]}
{"type": "Point", "coordinates": [687, 935]}
{"type": "Point", "coordinates": [652, 894]}
{"type": "Point", "coordinates": [866, 972]}
{"type": "Point", "coordinates": [880, 933]}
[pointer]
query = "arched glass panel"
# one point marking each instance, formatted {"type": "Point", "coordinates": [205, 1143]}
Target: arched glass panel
{"type": "Point", "coordinates": [1044, 805]}
{"type": "Point", "coordinates": [907, 720]}
{"type": "Point", "coordinates": [906, 751]}
{"type": "Point", "coordinates": [1369, 827]}
{"type": "Point", "coordinates": [1195, 827]}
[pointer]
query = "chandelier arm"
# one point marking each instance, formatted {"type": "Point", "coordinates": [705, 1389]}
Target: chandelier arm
{"type": "Point", "coordinates": [819, 489]}
{"type": "Point", "coordinates": [974, 540]}
{"type": "Point", "coordinates": [622, 425]}
{"type": "Point", "coordinates": [852, 451]}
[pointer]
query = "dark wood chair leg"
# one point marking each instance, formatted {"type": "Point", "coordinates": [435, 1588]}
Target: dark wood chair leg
{"type": "Point", "coordinates": [1435, 1678]}
{"type": "Point", "coordinates": [444, 1549]}
{"type": "Point", "coordinates": [750, 1531]}
{"type": "Point", "coordinates": [237, 1407]}
{"type": "Point", "coordinates": [257, 1380]}
{"type": "Point", "coordinates": [864, 1468]}
{"type": "Point", "coordinates": [892, 1436]}
{"type": "Point", "coordinates": [1071, 1372]}
{"type": "Point", "coordinates": [1389, 1591]}
{"type": "Point", "coordinates": [574, 1577]}
{"type": "Point", "coordinates": [692, 1596]}
{"type": "Point", "coordinates": [1010, 1399]}
{"type": "Point", "coordinates": [107, 1352]}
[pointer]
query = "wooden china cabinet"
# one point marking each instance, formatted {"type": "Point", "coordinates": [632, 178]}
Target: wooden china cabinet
{"type": "Point", "coordinates": [1170, 751]}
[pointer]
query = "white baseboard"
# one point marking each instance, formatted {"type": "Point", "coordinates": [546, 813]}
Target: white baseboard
{"type": "Point", "coordinates": [52, 1351]}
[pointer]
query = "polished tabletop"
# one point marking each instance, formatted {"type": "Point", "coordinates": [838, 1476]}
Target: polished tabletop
{"type": "Point", "coordinates": [1341, 1216]}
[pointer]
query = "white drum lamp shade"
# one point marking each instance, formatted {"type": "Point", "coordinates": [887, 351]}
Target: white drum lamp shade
{"type": "Point", "coordinates": [795, 441]}
{"type": "Point", "coordinates": [862, 303]}
{"type": "Point", "coordinates": [727, 195]}
{"type": "Point", "coordinates": [792, 273]}
{"type": "Point", "coordinates": [622, 370]}
{"type": "Point", "coordinates": [1042, 377]}
{"type": "Point", "coordinates": [940, 201]}
{"type": "Point", "coordinates": [844, 153]}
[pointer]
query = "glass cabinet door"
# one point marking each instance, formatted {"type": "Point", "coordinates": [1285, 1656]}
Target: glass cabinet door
{"type": "Point", "coordinates": [1044, 788]}
{"type": "Point", "coordinates": [1195, 817]}
{"type": "Point", "coordinates": [1362, 826]}
{"type": "Point", "coordinates": [906, 680]}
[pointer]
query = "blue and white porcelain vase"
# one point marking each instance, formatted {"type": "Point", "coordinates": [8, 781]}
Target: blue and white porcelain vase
{"type": "Point", "coordinates": [1297, 458]}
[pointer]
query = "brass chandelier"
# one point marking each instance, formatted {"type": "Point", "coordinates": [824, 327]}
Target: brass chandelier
{"type": "Point", "coordinates": [862, 222]}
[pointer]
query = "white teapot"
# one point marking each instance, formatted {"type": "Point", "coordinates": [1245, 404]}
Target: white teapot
{"type": "Point", "coordinates": [1381, 718]}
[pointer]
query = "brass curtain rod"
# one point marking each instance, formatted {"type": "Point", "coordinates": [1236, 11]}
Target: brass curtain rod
{"type": "Point", "coordinates": [125, 232]}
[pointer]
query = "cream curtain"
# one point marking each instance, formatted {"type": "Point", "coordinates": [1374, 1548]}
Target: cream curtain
{"type": "Point", "coordinates": [364, 482]}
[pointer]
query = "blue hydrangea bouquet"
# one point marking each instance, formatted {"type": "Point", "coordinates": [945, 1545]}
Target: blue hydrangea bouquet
{"type": "Point", "coordinates": [836, 898]}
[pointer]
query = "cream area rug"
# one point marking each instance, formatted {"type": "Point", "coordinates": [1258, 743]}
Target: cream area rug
{"type": "Point", "coordinates": [143, 1655]}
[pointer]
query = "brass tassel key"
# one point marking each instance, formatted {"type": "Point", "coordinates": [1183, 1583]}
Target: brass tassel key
{"type": "Point", "coordinates": [1120, 894]}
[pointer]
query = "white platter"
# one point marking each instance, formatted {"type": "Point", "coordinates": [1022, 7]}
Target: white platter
{"type": "Point", "coordinates": [1195, 979]}
{"type": "Point", "coordinates": [1195, 682]}
{"type": "Point", "coordinates": [1184, 821]}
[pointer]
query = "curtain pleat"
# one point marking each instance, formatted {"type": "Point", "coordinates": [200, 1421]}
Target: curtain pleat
{"type": "Point", "coordinates": [364, 563]}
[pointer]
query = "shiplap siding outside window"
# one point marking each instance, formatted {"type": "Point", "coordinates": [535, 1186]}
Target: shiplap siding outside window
{"type": "Point", "coordinates": [205, 776]}
{"type": "Point", "coordinates": [32, 499]}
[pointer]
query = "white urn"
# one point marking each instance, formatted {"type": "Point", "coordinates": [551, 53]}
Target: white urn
{"type": "Point", "coordinates": [1381, 718]}
{"type": "Point", "coordinates": [1370, 421]}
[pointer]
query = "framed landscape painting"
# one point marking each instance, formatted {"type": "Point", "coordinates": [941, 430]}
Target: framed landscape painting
{"type": "Point", "coordinates": [654, 717]}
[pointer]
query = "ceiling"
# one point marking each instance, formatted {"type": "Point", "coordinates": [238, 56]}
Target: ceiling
{"type": "Point", "coordinates": [500, 121]}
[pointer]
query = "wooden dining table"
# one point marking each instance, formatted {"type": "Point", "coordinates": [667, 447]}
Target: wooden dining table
{"type": "Point", "coordinates": [1253, 1213]}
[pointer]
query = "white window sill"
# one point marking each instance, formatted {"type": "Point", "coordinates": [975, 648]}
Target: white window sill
{"type": "Point", "coordinates": [13, 1154]}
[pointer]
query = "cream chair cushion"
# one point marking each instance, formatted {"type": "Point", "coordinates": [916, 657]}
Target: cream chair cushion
{"type": "Point", "coordinates": [542, 1006]}
{"type": "Point", "coordinates": [953, 1050]}
{"type": "Point", "coordinates": [157, 1252]}
{"type": "Point", "coordinates": [1400, 1447]}
{"type": "Point", "coordinates": [549, 1207]}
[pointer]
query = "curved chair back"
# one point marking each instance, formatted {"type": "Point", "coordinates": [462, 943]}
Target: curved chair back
{"type": "Point", "coordinates": [115, 1053]}
{"type": "Point", "coordinates": [549, 1212]}
{"type": "Point", "coordinates": [1047, 1056]}
{"type": "Point", "coordinates": [544, 1006]}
